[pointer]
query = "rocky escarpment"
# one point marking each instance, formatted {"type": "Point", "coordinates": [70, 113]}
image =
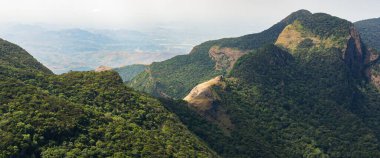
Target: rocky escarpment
{"type": "Point", "coordinates": [202, 96]}
{"type": "Point", "coordinates": [357, 56]}
{"type": "Point", "coordinates": [296, 39]}
{"type": "Point", "coordinates": [206, 101]}
{"type": "Point", "coordinates": [225, 58]}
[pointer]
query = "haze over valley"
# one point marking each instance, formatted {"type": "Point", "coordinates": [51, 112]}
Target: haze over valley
{"type": "Point", "coordinates": [62, 50]}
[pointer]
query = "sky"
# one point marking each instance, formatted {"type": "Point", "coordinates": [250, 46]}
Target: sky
{"type": "Point", "coordinates": [209, 15]}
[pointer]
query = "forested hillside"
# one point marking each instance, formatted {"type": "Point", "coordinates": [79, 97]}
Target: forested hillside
{"type": "Point", "coordinates": [83, 114]}
{"type": "Point", "coordinates": [309, 92]}
{"type": "Point", "coordinates": [306, 87]}
{"type": "Point", "coordinates": [177, 76]}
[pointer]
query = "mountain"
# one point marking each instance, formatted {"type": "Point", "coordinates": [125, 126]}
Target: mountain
{"type": "Point", "coordinates": [130, 71]}
{"type": "Point", "coordinates": [83, 114]}
{"type": "Point", "coordinates": [177, 76]}
{"type": "Point", "coordinates": [369, 31]}
{"type": "Point", "coordinates": [306, 87]}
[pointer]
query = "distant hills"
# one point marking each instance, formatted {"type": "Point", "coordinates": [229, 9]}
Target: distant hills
{"type": "Point", "coordinates": [76, 49]}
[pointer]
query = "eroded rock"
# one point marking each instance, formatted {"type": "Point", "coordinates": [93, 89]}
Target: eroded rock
{"type": "Point", "coordinates": [225, 58]}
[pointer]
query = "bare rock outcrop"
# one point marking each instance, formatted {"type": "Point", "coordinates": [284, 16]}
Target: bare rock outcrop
{"type": "Point", "coordinates": [206, 101]}
{"type": "Point", "coordinates": [202, 96]}
{"type": "Point", "coordinates": [103, 68]}
{"type": "Point", "coordinates": [357, 56]}
{"type": "Point", "coordinates": [225, 58]}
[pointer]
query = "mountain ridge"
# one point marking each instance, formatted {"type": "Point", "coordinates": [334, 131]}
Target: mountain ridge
{"type": "Point", "coordinates": [198, 65]}
{"type": "Point", "coordinates": [307, 92]}
{"type": "Point", "coordinates": [198, 60]}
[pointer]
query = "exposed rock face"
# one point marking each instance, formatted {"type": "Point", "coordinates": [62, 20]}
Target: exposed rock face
{"type": "Point", "coordinates": [206, 101]}
{"type": "Point", "coordinates": [225, 58]}
{"type": "Point", "coordinates": [357, 57]}
{"type": "Point", "coordinates": [202, 96]}
{"type": "Point", "coordinates": [354, 53]}
{"type": "Point", "coordinates": [103, 68]}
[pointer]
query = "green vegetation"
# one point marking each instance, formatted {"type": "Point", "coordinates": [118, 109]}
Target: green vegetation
{"type": "Point", "coordinates": [128, 72]}
{"type": "Point", "coordinates": [370, 32]}
{"type": "Point", "coordinates": [14, 56]}
{"type": "Point", "coordinates": [304, 103]}
{"type": "Point", "coordinates": [326, 26]}
{"type": "Point", "coordinates": [177, 76]}
{"type": "Point", "coordinates": [204, 129]}
{"type": "Point", "coordinates": [83, 114]}
{"type": "Point", "coordinates": [285, 106]}
{"type": "Point", "coordinates": [307, 101]}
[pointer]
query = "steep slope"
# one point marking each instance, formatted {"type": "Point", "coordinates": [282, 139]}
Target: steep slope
{"type": "Point", "coordinates": [370, 32]}
{"type": "Point", "coordinates": [308, 94]}
{"type": "Point", "coordinates": [177, 76]}
{"type": "Point", "coordinates": [321, 32]}
{"type": "Point", "coordinates": [83, 114]}
{"type": "Point", "coordinates": [12, 55]}
{"type": "Point", "coordinates": [204, 99]}
{"type": "Point", "coordinates": [310, 102]}
{"type": "Point", "coordinates": [202, 95]}
{"type": "Point", "coordinates": [130, 71]}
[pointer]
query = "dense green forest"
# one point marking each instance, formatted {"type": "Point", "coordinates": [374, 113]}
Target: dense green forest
{"type": "Point", "coordinates": [304, 88]}
{"type": "Point", "coordinates": [282, 106]}
{"type": "Point", "coordinates": [311, 101]}
{"type": "Point", "coordinates": [83, 114]}
{"type": "Point", "coordinates": [177, 76]}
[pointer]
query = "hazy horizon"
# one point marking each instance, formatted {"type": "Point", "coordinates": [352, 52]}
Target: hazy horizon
{"type": "Point", "coordinates": [123, 32]}
{"type": "Point", "coordinates": [229, 17]}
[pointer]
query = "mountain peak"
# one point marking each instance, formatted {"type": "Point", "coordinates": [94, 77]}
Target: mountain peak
{"type": "Point", "coordinates": [302, 11]}
{"type": "Point", "coordinates": [298, 15]}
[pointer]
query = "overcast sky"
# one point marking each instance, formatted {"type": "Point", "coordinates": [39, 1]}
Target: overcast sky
{"type": "Point", "coordinates": [243, 15]}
